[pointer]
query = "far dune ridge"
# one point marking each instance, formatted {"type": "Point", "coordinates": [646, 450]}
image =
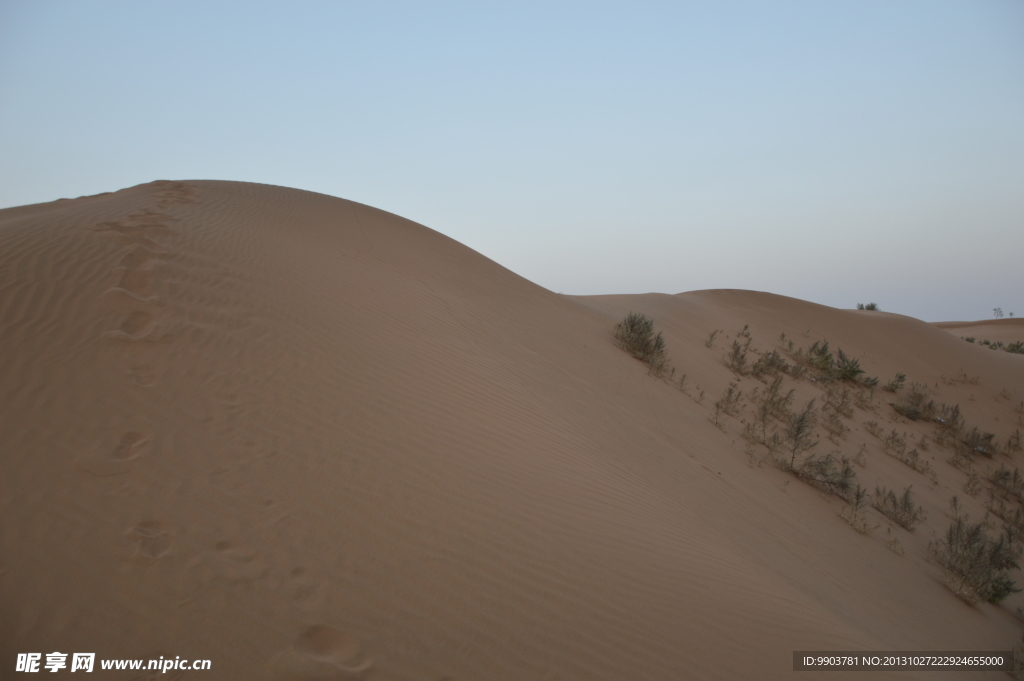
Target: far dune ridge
{"type": "Point", "coordinates": [307, 439]}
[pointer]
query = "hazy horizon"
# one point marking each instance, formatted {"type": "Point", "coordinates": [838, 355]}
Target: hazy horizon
{"type": "Point", "coordinates": [866, 152]}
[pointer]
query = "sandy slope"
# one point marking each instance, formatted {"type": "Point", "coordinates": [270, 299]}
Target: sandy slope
{"type": "Point", "coordinates": [1005, 330]}
{"type": "Point", "coordinates": [307, 439]}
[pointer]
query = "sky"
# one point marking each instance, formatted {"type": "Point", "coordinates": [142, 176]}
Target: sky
{"type": "Point", "coordinates": [837, 152]}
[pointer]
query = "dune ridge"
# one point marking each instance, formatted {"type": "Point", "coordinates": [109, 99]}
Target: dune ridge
{"type": "Point", "coordinates": [308, 439]}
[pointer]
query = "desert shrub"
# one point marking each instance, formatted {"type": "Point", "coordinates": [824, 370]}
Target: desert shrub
{"type": "Point", "coordinates": [976, 442]}
{"type": "Point", "coordinates": [636, 336]}
{"type": "Point", "coordinates": [728, 403]}
{"type": "Point", "coordinates": [1011, 484]}
{"type": "Point", "coordinates": [772, 403]}
{"type": "Point", "coordinates": [973, 484]}
{"type": "Point", "coordinates": [950, 422]}
{"type": "Point", "coordinates": [869, 306]}
{"type": "Point", "coordinates": [1016, 347]}
{"type": "Point", "coordinates": [969, 339]}
{"type": "Point", "coordinates": [915, 406]}
{"type": "Point", "coordinates": [737, 358]}
{"type": "Point", "coordinates": [917, 462]}
{"type": "Point", "coordinates": [895, 444]}
{"type": "Point", "coordinates": [896, 383]}
{"type": "Point", "coordinates": [847, 368]}
{"type": "Point", "coordinates": [869, 382]}
{"type": "Point", "coordinates": [834, 475]}
{"type": "Point", "coordinates": [854, 513]}
{"type": "Point", "coordinates": [820, 357]}
{"type": "Point", "coordinates": [1011, 514]}
{"type": "Point", "coordinates": [873, 428]}
{"type": "Point", "coordinates": [777, 400]}
{"type": "Point", "coordinates": [840, 401]}
{"type": "Point", "coordinates": [901, 509]}
{"type": "Point", "coordinates": [730, 399]}
{"type": "Point", "coordinates": [1013, 442]}
{"type": "Point", "coordinates": [799, 436]}
{"type": "Point", "coordinates": [770, 363]}
{"type": "Point", "coordinates": [711, 339]}
{"type": "Point", "coordinates": [977, 567]}
{"type": "Point", "coordinates": [837, 430]}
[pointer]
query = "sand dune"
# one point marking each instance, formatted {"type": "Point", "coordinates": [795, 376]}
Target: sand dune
{"type": "Point", "coordinates": [1005, 330]}
{"type": "Point", "coordinates": [308, 439]}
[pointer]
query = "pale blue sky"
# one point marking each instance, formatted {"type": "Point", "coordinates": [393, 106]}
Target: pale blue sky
{"type": "Point", "coordinates": [838, 152]}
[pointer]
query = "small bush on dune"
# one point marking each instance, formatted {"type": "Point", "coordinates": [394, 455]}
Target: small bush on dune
{"type": "Point", "coordinates": [896, 383]}
{"type": "Point", "coordinates": [976, 442]}
{"type": "Point", "coordinates": [835, 475]}
{"type": "Point", "coordinates": [800, 433]}
{"type": "Point", "coordinates": [737, 359]}
{"type": "Point", "coordinates": [636, 336]}
{"type": "Point", "coordinates": [847, 368]}
{"type": "Point", "coordinates": [770, 363]}
{"type": "Point", "coordinates": [869, 306]}
{"type": "Point", "coordinates": [727, 404]}
{"type": "Point", "coordinates": [977, 567]}
{"type": "Point", "coordinates": [1009, 483]}
{"type": "Point", "coordinates": [900, 509]}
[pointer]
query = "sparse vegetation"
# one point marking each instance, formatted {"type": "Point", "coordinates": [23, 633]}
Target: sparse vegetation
{"type": "Point", "coordinates": [769, 363]}
{"type": "Point", "coordinates": [892, 542]}
{"type": "Point", "coordinates": [901, 509]}
{"type": "Point", "coordinates": [847, 368]}
{"type": "Point", "coordinates": [829, 367]}
{"type": "Point", "coordinates": [873, 428]}
{"type": "Point", "coordinates": [977, 567]}
{"type": "Point", "coordinates": [895, 444]}
{"type": "Point", "coordinates": [913, 406]}
{"type": "Point", "coordinates": [976, 442]}
{"type": "Point", "coordinates": [800, 433]}
{"type": "Point", "coordinates": [728, 403]}
{"type": "Point", "coordinates": [854, 512]}
{"type": "Point", "coordinates": [636, 336]}
{"type": "Point", "coordinates": [737, 358]}
{"type": "Point", "coordinates": [896, 383]}
{"type": "Point", "coordinates": [834, 474]}
{"type": "Point", "coordinates": [869, 306]}
{"type": "Point", "coordinates": [1010, 484]}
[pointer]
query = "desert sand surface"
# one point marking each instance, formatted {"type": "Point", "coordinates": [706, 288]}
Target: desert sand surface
{"type": "Point", "coordinates": [995, 330]}
{"type": "Point", "coordinates": [308, 439]}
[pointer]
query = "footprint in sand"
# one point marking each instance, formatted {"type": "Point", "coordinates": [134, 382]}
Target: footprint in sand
{"type": "Point", "coordinates": [139, 326]}
{"type": "Point", "coordinates": [130, 447]}
{"type": "Point", "coordinates": [152, 541]}
{"type": "Point", "coordinates": [226, 564]}
{"type": "Point", "coordinates": [143, 375]}
{"type": "Point", "coordinates": [133, 274]}
{"type": "Point", "coordinates": [139, 283]}
{"type": "Point", "coordinates": [308, 593]}
{"type": "Point", "coordinates": [116, 460]}
{"type": "Point", "coordinates": [322, 653]}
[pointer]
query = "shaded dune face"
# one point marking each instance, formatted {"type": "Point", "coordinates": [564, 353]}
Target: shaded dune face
{"type": "Point", "coordinates": [307, 439]}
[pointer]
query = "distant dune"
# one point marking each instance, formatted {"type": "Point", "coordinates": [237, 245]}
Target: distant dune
{"type": "Point", "coordinates": [995, 330]}
{"type": "Point", "coordinates": [308, 439]}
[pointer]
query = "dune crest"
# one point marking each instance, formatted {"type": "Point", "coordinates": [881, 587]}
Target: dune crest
{"type": "Point", "coordinates": [308, 439]}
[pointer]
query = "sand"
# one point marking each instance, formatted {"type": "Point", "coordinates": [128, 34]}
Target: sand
{"type": "Point", "coordinates": [995, 330]}
{"type": "Point", "coordinates": [308, 439]}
